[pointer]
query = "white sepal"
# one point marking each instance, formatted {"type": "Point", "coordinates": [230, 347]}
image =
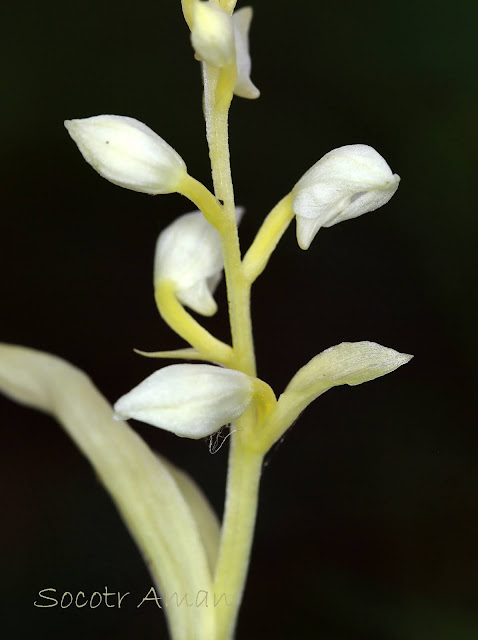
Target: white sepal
{"type": "Point", "coordinates": [244, 88]}
{"type": "Point", "coordinates": [189, 254]}
{"type": "Point", "coordinates": [212, 34]}
{"type": "Point", "coordinates": [128, 153]}
{"type": "Point", "coordinates": [347, 363]}
{"type": "Point", "coordinates": [347, 182]}
{"type": "Point", "coordinates": [190, 400]}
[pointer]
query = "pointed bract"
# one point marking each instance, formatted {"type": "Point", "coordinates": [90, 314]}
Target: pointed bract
{"type": "Point", "coordinates": [244, 87]}
{"type": "Point", "coordinates": [347, 363]}
{"type": "Point", "coordinates": [189, 254]}
{"type": "Point", "coordinates": [347, 182]}
{"type": "Point", "coordinates": [190, 400]}
{"type": "Point", "coordinates": [159, 510]}
{"type": "Point", "coordinates": [128, 153]}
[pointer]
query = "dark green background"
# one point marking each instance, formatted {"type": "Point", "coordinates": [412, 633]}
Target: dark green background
{"type": "Point", "coordinates": [368, 518]}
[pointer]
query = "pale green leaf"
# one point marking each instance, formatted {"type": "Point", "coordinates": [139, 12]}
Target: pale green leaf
{"type": "Point", "coordinates": [142, 487]}
{"type": "Point", "coordinates": [203, 513]}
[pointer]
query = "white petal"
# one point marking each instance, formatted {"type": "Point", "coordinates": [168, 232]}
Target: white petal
{"type": "Point", "coordinates": [188, 250]}
{"type": "Point", "coordinates": [199, 298]}
{"type": "Point", "coordinates": [244, 87]}
{"type": "Point", "coordinates": [212, 33]}
{"type": "Point", "coordinates": [306, 230]}
{"type": "Point", "coordinates": [128, 153]}
{"type": "Point", "coordinates": [190, 400]}
{"type": "Point", "coordinates": [366, 201]}
{"type": "Point", "coordinates": [189, 253]}
{"type": "Point", "coordinates": [351, 167]}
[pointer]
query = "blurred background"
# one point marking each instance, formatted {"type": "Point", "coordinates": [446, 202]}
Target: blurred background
{"type": "Point", "coordinates": [368, 516]}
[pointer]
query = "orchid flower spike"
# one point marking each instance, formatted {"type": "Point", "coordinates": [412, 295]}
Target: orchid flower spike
{"type": "Point", "coordinates": [189, 254]}
{"type": "Point", "coordinates": [128, 153]}
{"type": "Point", "coordinates": [244, 88]}
{"type": "Point", "coordinates": [347, 182]}
{"type": "Point", "coordinates": [212, 34]}
{"type": "Point", "coordinates": [190, 400]}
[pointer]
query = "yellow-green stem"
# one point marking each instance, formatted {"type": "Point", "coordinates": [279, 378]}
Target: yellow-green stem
{"type": "Point", "coordinates": [217, 99]}
{"type": "Point", "coordinates": [244, 473]}
{"type": "Point", "coordinates": [245, 462]}
{"type": "Point", "coordinates": [280, 418]}
{"type": "Point", "coordinates": [176, 316]}
{"type": "Point", "coordinates": [203, 199]}
{"type": "Point", "coordinates": [268, 236]}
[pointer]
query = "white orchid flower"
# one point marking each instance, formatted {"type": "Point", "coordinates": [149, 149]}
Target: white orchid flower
{"type": "Point", "coordinates": [190, 400]}
{"type": "Point", "coordinates": [189, 254]}
{"type": "Point", "coordinates": [128, 153]}
{"type": "Point", "coordinates": [212, 34]}
{"type": "Point", "coordinates": [347, 182]}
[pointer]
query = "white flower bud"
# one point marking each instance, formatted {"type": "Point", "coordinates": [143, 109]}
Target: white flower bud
{"type": "Point", "coordinates": [244, 87]}
{"type": "Point", "coordinates": [347, 182]}
{"type": "Point", "coordinates": [128, 153]}
{"type": "Point", "coordinates": [190, 400]}
{"type": "Point", "coordinates": [189, 253]}
{"type": "Point", "coordinates": [212, 34]}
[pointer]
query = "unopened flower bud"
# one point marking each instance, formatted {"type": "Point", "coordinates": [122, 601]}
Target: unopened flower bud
{"type": "Point", "coordinates": [347, 182]}
{"type": "Point", "coordinates": [128, 153]}
{"type": "Point", "coordinates": [212, 34]}
{"type": "Point", "coordinates": [190, 400]}
{"type": "Point", "coordinates": [244, 87]}
{"type": "Point", "coordinates": [189, 254]}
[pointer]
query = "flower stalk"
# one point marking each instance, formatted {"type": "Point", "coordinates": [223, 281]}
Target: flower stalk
{"type": "Point", "coordinates": [244, 467]}
{"type": "Point", "coordinates": [176, 316]}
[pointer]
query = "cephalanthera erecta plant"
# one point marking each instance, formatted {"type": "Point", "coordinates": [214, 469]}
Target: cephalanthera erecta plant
{"type": "Point", "coordinates": [188, 551]}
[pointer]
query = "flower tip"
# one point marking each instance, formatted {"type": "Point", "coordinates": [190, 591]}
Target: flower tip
{"type": "Point", "coordinates": [254, 92]}
{"type": "Point", "coordinates": [306, 231]}
{"type": "Point", "coordinates": [212, 34]}
{"type": "Point", "coordinates": [72, 127]}
{"type": "Point", "coordinates": [405, 358]}
{"type": "Point", "coordinates": [302, 244]}
{"type": "Point", "coordinates": [199, 297]}
{"type": "Point", "coordinates": [208, 310]}
{"type": "Point", "coordinates": [244, 87]}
